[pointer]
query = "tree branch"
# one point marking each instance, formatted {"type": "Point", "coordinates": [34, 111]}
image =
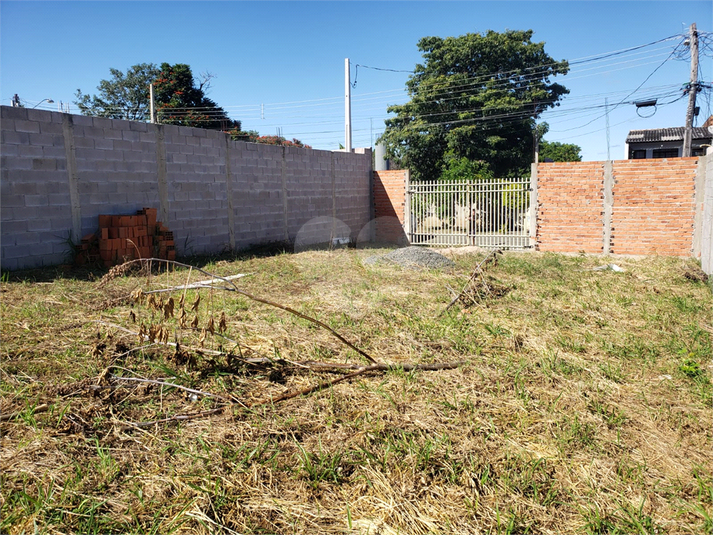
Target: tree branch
{"type": "Point", "coordinates": [477, 271]}
{"type": "Point", "coordinates": [145, 262]}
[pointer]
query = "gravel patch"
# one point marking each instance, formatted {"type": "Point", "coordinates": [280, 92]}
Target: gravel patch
{"type": "Point", "coordinates": [413, 258]}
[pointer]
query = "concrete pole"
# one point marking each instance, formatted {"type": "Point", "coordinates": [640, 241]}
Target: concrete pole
{"type": "Point", "coordinates": [688, 132]}
{"type": "Point", "coordinates": [152, 106]}
{"type": "Point", "coordinates": [606, 108]}
{"type": "Point", "coordinates": [347, 108]}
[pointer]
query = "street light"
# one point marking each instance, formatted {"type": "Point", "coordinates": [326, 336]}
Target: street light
{"type": "Point", "coordinates": [49, 100]}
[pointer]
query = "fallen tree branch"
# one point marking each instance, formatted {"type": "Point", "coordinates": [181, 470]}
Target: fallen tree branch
{"type": "Point", "coordinates": [176, 418]}
{"type": "Point", "coordinates": [386, 367]}
{"type": "Point", "coordinates": [146, 262]}
{"type": "Point", "coordinates": [309, 390]}
{"type": "Point", "coordinates": [199, 284]}
{"type": "Point", "coordinates": [171, 385]}
{"type": "Point", "coordinates": [359, 370]}
{"type": "Point", "coordinates": [492, 257]}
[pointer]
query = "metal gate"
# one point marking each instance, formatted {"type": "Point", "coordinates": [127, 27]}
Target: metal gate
{"type": "Point", "coordinates": [492, 213]}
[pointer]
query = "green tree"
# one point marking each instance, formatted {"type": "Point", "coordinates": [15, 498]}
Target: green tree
{"type": "Point", "coordinates": [476, 97]}
{"type": "Point", "coordinates": [559, 152]}
{"type": "Point", "coordinates": [123, 96]}
{"type": "Point", "coordinates": [180, 101]}
{"type": "Point", "coordinates": [457, 169]}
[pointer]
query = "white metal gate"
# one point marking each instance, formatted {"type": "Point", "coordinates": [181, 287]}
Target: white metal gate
{"type": "Point", "coordinates": [492, 213]}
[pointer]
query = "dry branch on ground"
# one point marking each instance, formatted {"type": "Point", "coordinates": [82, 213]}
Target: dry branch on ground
{"type": "Point", "coordinates": [580, 400]}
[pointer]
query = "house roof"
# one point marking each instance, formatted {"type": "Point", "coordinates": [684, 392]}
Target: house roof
{"type": "Point", "coordinates": [665, 134]}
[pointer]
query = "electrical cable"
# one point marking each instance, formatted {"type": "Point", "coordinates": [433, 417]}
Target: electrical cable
{"type": "Point", "coordinates": [335, 100]}
{"type": "Point", "coordinates": [619, 103]}
{"type": "Point", "coordinates": [447, 92]}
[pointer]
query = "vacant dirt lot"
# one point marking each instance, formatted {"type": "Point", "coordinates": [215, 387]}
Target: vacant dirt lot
{"type": "Point", "coordinates": [578, 399]}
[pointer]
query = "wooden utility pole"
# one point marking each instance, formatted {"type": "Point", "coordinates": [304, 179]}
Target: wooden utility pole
{"type": "Point", "coordinates": [693, 87]}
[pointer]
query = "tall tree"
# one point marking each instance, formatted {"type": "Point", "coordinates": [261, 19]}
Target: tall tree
{"type": "Point", "coordinates": [180, 101]}
{"type": "Point", "coordinates": [476, 97]}
{"type": "Point", "coordinates": [123, 96]}
{"type": "Point", "coordinates": [559, 152]}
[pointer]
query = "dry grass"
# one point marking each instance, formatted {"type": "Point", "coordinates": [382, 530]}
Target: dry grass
{"type": "Point", "coordinates": [584, 406]}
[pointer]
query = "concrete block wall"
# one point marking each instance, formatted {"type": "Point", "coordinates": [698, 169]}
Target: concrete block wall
{"type": "Point", "coordinates": [34, 189]}
{"type": "Point", "coordinates": [638, 207]}
{"type": "Point", "coordinates": [59, 172]}
{"type": "Point", "coordinates": [390, 206]}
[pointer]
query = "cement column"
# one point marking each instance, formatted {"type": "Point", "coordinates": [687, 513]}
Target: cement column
{"type": "Point", "coordinates": [707, 217]}
{"type": "Point", "coordinates": [229, 193]}
{"type": "Point", "coordinates": [68, 132]}
{"type": "Point", "coordinates": [283, 170]}
{"type": "Point", "coordinates": [698, 215]}
{"type": "Point", "coordinates": [161, 174]}
{"type": "Point", "coordinates": [608, 199]}
{"type": "Point", "coordinates": [533, 206]}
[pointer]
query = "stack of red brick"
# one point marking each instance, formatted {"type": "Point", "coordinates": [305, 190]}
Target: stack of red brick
{"type": "Point", "coordinates": [129, 237]}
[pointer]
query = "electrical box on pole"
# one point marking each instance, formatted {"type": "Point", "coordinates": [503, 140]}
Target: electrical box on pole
{"type": "Point", "coordinates": [347, 108]}
{"type": "Point", "coordinates": [692, 89]}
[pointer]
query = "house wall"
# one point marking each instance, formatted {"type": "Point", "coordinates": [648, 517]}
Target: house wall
{"type": "Point", "coordinates": [623, 207]}
{"type": "Point", "coordinates": [59, 172]}
{"type": "Point", "coordinates": [651, 147]}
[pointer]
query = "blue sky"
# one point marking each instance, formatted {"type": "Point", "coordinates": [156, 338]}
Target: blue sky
{"type": "Point", "coordinates": [281, 64]}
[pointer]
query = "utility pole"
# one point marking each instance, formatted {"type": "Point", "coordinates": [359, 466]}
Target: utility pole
{"type": "Point", "coordinates": [692, 89]}
{"type": "Point", "coordinates": [347, 108]}
{"type": "Point", "coordinates": [152, 104]}
{"type": "Point", "coordinates": [606, 108]}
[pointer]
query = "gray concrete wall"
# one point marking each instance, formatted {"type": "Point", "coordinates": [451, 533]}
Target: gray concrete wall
{"type": "Point", "coordinates": [59, 172]}
{"type": "Point", "coordinates": [707, 217]}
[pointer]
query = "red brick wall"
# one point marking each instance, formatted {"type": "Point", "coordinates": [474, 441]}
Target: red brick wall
{"type": "Point", "coordinates": [654, 206]}
{"type": "Point", "coordinates": [570, 206]}
{"type": "Point", "coordinates": [389, 205]}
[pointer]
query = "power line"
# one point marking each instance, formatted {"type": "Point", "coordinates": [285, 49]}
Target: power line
{"type": "Point", "coordinates": [634, 91]}
{"type": "Point", "coordinates": [330, 101]}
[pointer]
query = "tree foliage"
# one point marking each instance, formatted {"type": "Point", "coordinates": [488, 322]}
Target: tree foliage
{"type": "Point", "coordinates": [458, 169]}
{"type": "Point", "coordinates": [475, 97]}
{"type": "Point", "coordinates": [559, 152]}
{"type": "Point", "coordinates": [180, 101]}
{"type": "Point", "coordinates": [123, 96]}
